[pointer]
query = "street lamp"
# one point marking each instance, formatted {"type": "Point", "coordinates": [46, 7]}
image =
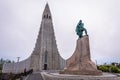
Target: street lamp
{"type": "Point", "coordinates": [18, 58]}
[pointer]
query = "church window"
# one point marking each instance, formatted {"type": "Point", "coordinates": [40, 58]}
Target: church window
{"type": "Point", "coordinates": [44, 16]}
{"type": "Point", "coordinates": [46, 54]}
{"type": "Point", "coordinates": [49, 17]}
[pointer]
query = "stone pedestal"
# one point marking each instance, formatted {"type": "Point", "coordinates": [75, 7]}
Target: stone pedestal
{"type": "Point", "coordinates": [80, 62]}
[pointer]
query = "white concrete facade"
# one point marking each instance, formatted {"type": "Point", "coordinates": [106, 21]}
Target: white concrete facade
{"type": "Point", "coordinates": [16, 67]}
{"type": "Point", "coordinates": [45, 54]}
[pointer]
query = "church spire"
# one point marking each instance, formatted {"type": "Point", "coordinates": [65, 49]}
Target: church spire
{"type": "Point", "coordinates": [46, 13]}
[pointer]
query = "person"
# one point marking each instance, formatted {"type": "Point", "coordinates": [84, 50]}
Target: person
{"type": "Point", "coordinates": [25, 71]}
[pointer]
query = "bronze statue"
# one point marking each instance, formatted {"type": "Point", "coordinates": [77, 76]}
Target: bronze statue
{"type": "Point", "coordinates": [80, 28]}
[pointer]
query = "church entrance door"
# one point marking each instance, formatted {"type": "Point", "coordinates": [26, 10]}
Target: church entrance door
{"type": "Point", "coordinates": [45, 66]}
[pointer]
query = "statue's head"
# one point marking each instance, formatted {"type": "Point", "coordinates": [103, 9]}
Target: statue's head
{"type": "Point", "coordinates": [80, 21]}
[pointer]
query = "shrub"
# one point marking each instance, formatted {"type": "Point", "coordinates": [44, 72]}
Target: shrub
{"type": "Point", "coordinates": [119, 70]}
{"type": "Point", "coordinates": [103, 68]}
{"type": "Point", "coordinates": [114, 69]}
{"type": "Point", "coordinates": [109, 68]}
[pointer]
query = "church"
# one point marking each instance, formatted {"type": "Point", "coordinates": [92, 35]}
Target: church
{"type": "Point", "coordinates": [45, 55]}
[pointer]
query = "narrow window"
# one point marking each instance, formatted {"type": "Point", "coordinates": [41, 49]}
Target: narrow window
{"type": "Point", "coordinates": [46, 56]}
{"type": "Point", "coordinates": [44, 16]}
{"type": "Point", "coordinates": [49, 17]}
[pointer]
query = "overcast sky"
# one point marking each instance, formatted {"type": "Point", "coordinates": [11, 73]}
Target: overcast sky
{"type": "Point", "coordinates": [20, 22]}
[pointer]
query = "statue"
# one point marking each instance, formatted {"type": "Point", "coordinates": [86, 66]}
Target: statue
{"type": "Point", "coordinates": [80, 28]}
{"type": "Point", "coordinates": [80, 62]}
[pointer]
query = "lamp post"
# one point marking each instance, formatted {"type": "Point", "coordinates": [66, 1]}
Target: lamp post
{"type": "Point", "coordinates": [18, 58]}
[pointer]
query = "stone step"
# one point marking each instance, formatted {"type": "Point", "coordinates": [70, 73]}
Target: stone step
{"type": "Point", "coordinates": [35, 76]}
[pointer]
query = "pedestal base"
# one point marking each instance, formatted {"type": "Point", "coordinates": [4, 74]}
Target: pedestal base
{"type": "Point", "coordinates": [80, 62]}
{"type": "Point", "coordinates": [57, 76]}
{"type": "Point", "coordinates": [82, 72]}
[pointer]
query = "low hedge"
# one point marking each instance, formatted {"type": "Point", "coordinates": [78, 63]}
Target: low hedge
{"type": "Point", "coordinates": [109, 68]}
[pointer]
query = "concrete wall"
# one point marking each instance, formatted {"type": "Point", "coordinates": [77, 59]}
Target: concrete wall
{"type": "Point", "coordinates": [16, 67]}
{"type": "Point", "coordinates": [62, 63]}
{"type": "Point", "coordinates": [20, 66]}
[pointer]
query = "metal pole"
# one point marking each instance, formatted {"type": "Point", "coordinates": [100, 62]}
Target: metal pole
{"type": "Point", "coordinates": [18, 58]}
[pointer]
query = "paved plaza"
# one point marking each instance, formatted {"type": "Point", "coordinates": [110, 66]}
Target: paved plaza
{"type": "Point", "coordinates": [57, 76]}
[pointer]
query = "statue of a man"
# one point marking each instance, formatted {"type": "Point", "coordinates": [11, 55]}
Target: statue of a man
{"type": "Point", "coordinates": [80, 28]}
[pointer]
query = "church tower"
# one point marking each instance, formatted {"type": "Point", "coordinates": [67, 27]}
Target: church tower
{"type": "Point", "coordinates": [45, 55]}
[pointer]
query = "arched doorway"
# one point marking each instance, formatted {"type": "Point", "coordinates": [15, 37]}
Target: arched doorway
{"type": "Point", "coordinates": [45, 66]}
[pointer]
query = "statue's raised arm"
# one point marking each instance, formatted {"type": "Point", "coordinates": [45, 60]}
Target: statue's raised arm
{"type": "Point", "coordinates": [80, 28]}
